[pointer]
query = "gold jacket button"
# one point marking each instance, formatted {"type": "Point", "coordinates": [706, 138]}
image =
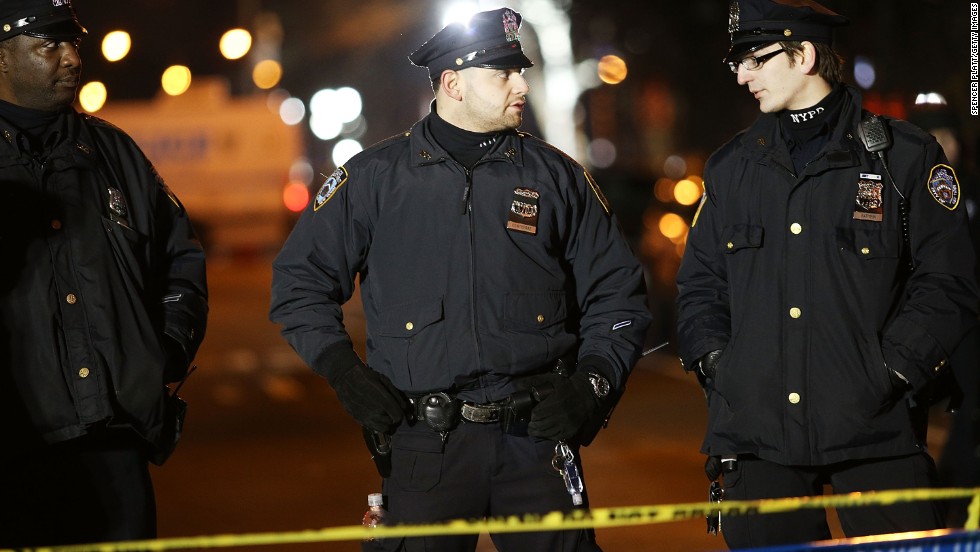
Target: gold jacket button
{"type": "Point", "coordinates": [795, 228]}
{"type": "Point", "coordinates": [795, 312]}
{"type": "Point", "coordinates": [730, 245]}
{"type": "Point", "coordinates": [865, 250]}
{"type": "Point", "coordinates": [83, 373]}
{"type": "Point", "coordinates": [540, 318]}
{"type": "Point", "coordinates": [409, 326]}
{"type": "Point", "coordinates": [71, 299]}
{"type": "Point", "coordinates": [794, 398]}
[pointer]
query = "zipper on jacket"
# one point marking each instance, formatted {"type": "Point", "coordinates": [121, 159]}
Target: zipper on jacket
{"type": "Point", "coordinates": [466, 191]}
{"type": "Point", "coordinates": [468, 210]}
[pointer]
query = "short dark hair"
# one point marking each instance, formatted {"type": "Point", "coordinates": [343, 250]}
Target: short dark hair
{"type": "Point", "coordinates": [830, 65]}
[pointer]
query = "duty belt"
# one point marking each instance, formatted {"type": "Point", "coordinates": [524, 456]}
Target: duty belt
{"type": "Point", "coordinates": [438, 408]}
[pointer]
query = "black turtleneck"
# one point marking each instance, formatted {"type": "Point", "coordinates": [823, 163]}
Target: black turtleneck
{"type": "Point", "coordinates": [36, 125]}
{"type": "Point", "coordinates": [807, 131]}
{"type": "Point", "coordinates": [464, 146]}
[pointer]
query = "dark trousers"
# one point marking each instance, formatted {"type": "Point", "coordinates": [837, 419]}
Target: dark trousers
{"type": "Point", "coordinates": [959, 465]}
{"type": "Point", "coordinates": [480, 471]}
{"type": "Point", "coordinates": [92, 489]}
{"type": "Point", "coordinates": [756, 479]}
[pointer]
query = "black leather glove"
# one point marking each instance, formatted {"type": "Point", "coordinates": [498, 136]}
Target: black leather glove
{"type": "Point", "coordinates": [708, 364]}
{"type": "Point", "coordinates": [177, 361]}
{"type": "Point", "coordinates": [567, 403]}
{"type": "Point", "coordinates": [370, 398]}
{"type": "Point", "coordinates": [712, 467]}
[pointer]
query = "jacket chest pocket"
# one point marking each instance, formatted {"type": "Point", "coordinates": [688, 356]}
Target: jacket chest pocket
{"type": "Point", "coordinates": [741, 236]}
{"type": "Point", "coordinates": [868, 244]}
{"type": "Point", "coordinates": [534, 311]}
{"type": "Point", "coordinates": [413, 338]}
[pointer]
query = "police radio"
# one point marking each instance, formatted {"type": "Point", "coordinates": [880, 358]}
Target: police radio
{"type": "Point", "coordinates": [875, 136]}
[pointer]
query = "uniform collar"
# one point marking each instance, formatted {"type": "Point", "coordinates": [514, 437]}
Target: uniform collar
{"type": "Point", "coordinates": [74, 144]}
{"type": "Point", "coordinates": [763, 140]}
{"type": "Point", "coordinates": [426, 151]}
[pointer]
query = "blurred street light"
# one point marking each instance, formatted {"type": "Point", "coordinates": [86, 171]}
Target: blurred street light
{"type": "Point", "coordinates": [116, 45]}
{"type": "Point", "coordinates": [235, 43]}
{"type": "Point", "coordinates": [176, 80]}
{"type": "Point", "coordinates": [92, 96]}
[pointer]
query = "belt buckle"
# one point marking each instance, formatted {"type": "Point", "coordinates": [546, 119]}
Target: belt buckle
{"type": "Point", "coordinates": [481, 413]}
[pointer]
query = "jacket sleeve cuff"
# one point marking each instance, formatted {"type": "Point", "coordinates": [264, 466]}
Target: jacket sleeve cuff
{"type": "Point", "coordinates": [185, 321]}
{"type": "Point", "coordinates": [598, 365]}
{"type": "Point", "coordinates": [917, 356]}
{"type": "Point", "coordinates": [336, 360]}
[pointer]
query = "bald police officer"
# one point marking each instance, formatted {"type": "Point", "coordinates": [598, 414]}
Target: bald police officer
{"type": "Point", "coordinates": [827, 277]}
{"type": "Point", "coordinates": [484, 256]}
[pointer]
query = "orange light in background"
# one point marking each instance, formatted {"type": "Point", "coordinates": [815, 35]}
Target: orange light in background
{"type": "Point", "coordinates": [672, 226]}
{"type": "Point", "coordinates": [92, 96]}
{"type": "Point", "coordinates": [116, 45]}
{"type": "Point", "coordinates": [235, 43]}
{"type": "Point", "coordinates": [687, 192]}
{"type": "Point", "coordinates": [663, 190]}
{"type": "Point", "coordinates": [267, 74]}
{"type": "Point", "coordinates": [295, 196]}
{"type": "Point", "coordinates": [176, 80]}
{"type": "Point", "coordinates": [612, 69]}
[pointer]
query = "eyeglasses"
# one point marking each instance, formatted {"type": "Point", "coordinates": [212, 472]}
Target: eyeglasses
{"type": "Point", "coordinates": [753, 63]}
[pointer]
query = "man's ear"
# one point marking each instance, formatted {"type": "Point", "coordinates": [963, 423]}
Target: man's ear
{"type": "Point", "coordinates": [452, 84]}
{"type": "Point", "coordinates": [808, 58]}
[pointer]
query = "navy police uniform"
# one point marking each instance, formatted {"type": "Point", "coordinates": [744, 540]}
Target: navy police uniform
{"type": "Point", "coordinates": [823, 292]}
{"type": "Point", "coordinates": [471, 278]}
{"type": "Point", "coordinates": [103, 300]}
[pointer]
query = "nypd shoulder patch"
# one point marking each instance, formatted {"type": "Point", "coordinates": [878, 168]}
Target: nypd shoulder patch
{"type": "Point", "coordinates": [944, 186]}
{"type": "Point", "coordinates": [330, 187]}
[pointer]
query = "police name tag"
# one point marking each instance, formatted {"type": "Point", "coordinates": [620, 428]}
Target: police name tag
{"type": "Point", "coordinates": [868, 203]}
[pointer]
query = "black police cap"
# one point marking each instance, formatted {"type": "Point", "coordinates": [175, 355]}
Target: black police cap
{"type": "Point", "coordinates": [41, 18]}
{"type": "Point", "coordinates": [755, 23]}
{"type": "Point", "coordinates": [490, 39]}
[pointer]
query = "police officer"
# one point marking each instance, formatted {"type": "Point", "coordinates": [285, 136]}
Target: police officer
{"type": "Point", "coordinates": [827, 277]}
{"type": "Point", "coordinates": [103, 299]}
{"type": "Point", "coordinates": [485, 256]}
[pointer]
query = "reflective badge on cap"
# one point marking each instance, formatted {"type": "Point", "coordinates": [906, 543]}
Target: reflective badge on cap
{"type": "Point", "coordinates": [330, 187]}
{"type": "Point", "coordinates": [944, 186]}
{"type": "Point", "coordinates": [511, 26]}
{"type": "Point", "coordinates": [523, 216]}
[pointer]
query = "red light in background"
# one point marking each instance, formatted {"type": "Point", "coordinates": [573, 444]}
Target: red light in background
{"type": "Point", "coordinates": [295, 196]}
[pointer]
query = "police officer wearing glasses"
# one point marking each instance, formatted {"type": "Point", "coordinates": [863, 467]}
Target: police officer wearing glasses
{"type": "Point", "coordinates": [103, 300]}
{"type": "Point", "coordinates": [828, 276]}
{"type": "Point", "coordinates": [504, 308]}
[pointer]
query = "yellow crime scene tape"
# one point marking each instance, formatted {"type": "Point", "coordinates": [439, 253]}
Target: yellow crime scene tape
{"type": "Point", "coordinates": [580, 519]}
